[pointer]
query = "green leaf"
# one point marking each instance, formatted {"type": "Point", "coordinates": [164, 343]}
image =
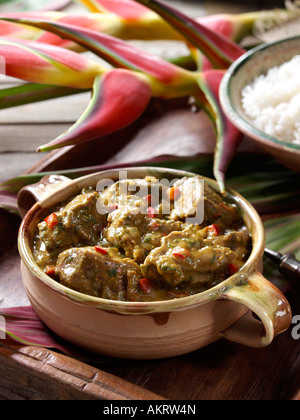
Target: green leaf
{"type": "Point", "coordinates": [115, 51]}
{"type": "Point", "coordinates": [33, 92]}
{"type": "Point", "coordinates": [221, 51]}
{"type": "Point", "coordinates": [283, 233]}
{"type": "Point", "coordinates": [258, 189]}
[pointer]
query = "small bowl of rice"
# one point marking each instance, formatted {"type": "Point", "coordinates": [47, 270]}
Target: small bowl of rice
{"type": "Point", "coordinates": [260, 94]}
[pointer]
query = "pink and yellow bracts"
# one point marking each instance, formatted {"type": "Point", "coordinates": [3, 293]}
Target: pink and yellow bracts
{"type": "Point", "coordinates": [148, 27]}
{"type": "Point", "coordinates": [127, 19]}
{"type": "Point", "coordinates": [162, 78]}
{"type": "Point", "coordinates": [127, 91]}
{"type": "Point", "coordinates": [147, 74]}
{"type": "Point", "coordinates": [232, 26]}
{"type": "Point", "coordinates": [113, 89]}
{"type": "Point", "coordinates": [221, 52]}
{"type": "Point", "coordinates": [119, 98]}
{"type": "Point", "coordinates": [138, 76]}
{"type": "Point", "coordinates": [41, 63]}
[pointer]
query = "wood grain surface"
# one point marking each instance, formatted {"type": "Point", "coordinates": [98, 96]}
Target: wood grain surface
{"type": "Point", "coordinates": [66, 378]}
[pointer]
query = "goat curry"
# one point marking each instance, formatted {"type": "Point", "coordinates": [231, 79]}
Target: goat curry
{"type": "Point", "coordinates": [135, 247]}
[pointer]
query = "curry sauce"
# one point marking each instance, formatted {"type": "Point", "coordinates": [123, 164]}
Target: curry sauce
{"type": "Point", "coordinates": [141, 248]}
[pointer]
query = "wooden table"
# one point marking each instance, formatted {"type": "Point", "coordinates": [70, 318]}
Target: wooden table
{"type": "Point", "coordinates": [221, 371]}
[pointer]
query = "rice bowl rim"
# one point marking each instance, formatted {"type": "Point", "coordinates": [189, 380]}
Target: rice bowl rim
{"type": "Point", "coordinates": [236, 116]}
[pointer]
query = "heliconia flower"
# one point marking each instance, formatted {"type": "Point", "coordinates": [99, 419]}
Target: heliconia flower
{"type": "Point", "coordinates": [134, 20]}
{"type": "Point", "coordinates": [221, 51]}
{"type": "Point", "coordinates": [149, 27]}
{"type": "Point", "coordinates": [119, 98]}
{"type": "Point", "coordinates": [131, 10]}
{"type": "Point", "coordinates": [127, 19]}
{"type": "Point", "coordinates": [237, 26]}
{"type": "Point", "coordinates": [17, 31]}
{"type": "Point", "coordinates": [232, 26]}
{"type": "Point", "coordinates": [146, 25]}
{"type": "Point", "coordinates": [229, 137]}
{"type": "Point", "coordinates": [124, 91]}
{"type": "Point", "coordinates": [167, 80]}
{"type": "Point", "coordinates": [127, 9]}
{"type": "Point", "coordinates": [34, 34]}
{"type": "Point", "coordinates": [41, 63]}
{"type": "Point", "coordinates": [148, 75]}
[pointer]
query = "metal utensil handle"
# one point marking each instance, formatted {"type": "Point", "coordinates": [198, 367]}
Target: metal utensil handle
{"type": "Point", "coordinates": [290, 265]}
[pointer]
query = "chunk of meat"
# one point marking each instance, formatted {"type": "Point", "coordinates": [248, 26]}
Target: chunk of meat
{"type": "Point", "coordinates": [135, 233]}
{"type": "Point", "coordinates": [106, 275]}
{"type": "Point", "coordinates": [77, 224]}
{"type": "Point", "coordinates": [237, 240]}
{"type": "Point", "coordinates": [196, 196]}
{"type": "Point", "coordinates": [128, 190]}
{"type": "Point", "coordinates": [186, 258]}
{"type": "Point", "coordinates": [146, 192]}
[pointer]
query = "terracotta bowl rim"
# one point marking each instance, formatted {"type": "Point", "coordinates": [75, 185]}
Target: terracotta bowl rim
{"type": "Point", "coordinates": [211, 294]}
{"type": "Point", "coordinates": [236, 117]}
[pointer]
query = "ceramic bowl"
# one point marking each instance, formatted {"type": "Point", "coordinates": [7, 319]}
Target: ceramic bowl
{"type": "Point", "coordinates": [252, 64]}
{"type": "Point", "coordinates": [156, 329]}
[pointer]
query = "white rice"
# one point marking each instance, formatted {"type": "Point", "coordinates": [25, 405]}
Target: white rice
{"type": "Point", "coordinates": [272, 101]}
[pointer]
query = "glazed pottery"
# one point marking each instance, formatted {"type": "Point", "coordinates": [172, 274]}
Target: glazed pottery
{"type": "Point", "coordinates": [142, 330]}
{"type": "Point", "coordinates": [252, 64]}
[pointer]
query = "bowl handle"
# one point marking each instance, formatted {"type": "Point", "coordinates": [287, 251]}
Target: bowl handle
{"type": "Point", "coordinates": [31, 194]}
{"type": "Point", "coordinates": [267, 302]}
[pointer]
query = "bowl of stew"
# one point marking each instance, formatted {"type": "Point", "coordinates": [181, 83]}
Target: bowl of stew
{"type": "Point", "coordinates": [147, 263]}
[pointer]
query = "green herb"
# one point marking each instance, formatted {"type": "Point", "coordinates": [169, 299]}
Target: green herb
{"type": "Point", "coordinates": [112, 272]}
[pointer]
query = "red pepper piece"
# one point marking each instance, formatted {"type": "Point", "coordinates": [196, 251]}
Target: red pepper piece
{"type": "Point", "coordinates": [148, 199]}
{"type": "Point", "coordinates": [101, 250]}
{"type": "Point", "coordinates": [50, 270]}
{"type": "Point", "coordinates": [52, 221]}
{"type": "Point", "coordinates": [174, 193]}
{"type": "Point", "coordinates": [154, 225]}
{"type": "Point", "coordinates": [151, 212]}
{"type": "Point", "coordinates": [214, 229]}
{"type": "Point", "coordinates": [232, 269]}
{"type": "Point", "coordinates": [181, 253]}
{"type": "Point", "coordinates": [145, 285]}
